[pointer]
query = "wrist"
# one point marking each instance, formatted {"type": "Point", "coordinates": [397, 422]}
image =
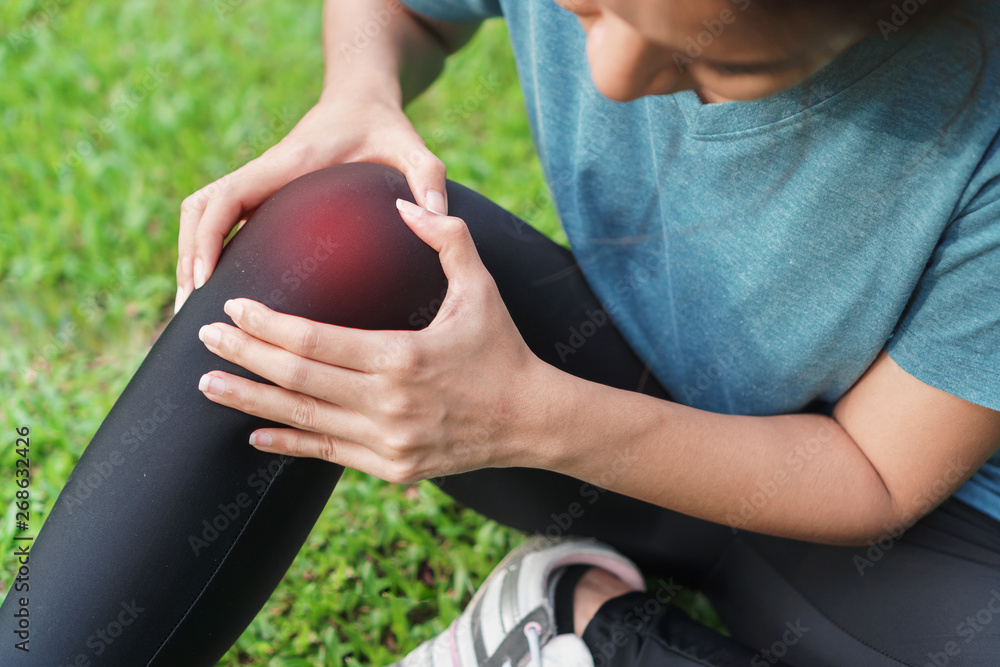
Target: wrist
{"type": "Point", "coordinates": [552, 400]}
{"type": "Point", "coordinates": [592, 430]}
{"type": "Point", "coordinates": [366, 86]}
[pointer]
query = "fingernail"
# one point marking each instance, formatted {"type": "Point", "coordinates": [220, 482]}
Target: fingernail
{"type": "Point", "coordinates": [234, 309]}
{"type": "Point", "coordinates": [212, 385]}
{"type": "Point", "coordinates": [409, 207]}
{"type": "Point", "coordinates": [262, 439]}
{"type": "Point", "coordinates": [199, 273]}
{"type": "Point", "coordinates": [210, 335]}
{"type": "Point", "coordinates": [434, 202]}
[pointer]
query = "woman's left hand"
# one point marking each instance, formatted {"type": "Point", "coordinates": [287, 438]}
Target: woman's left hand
{"type": "Point", "coordinates": [458, 395]}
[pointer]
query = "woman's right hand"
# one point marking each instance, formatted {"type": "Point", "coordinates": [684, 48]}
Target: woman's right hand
{"type": "Point", "coordinates": [350, 129]}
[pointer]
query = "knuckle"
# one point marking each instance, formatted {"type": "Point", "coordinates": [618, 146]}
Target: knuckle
{"type": "Point", "coordinates": [402, 471]}
{"type": "Point", "coordinates": [305, 413]}
{"type": "Point", "coordinates": [455, 227]}
{"type": "Point", "coordinates": [306, 339]}
{"type": "Point", "coordinates": [435, 166]}
{"type": "Point", "coordinates": [328, 449]}
{"type": "Point", "coordinates": [397, 406]}
{"type": "Point", "coordinates": [298, 374]}
{"type": "Point", "coordinates": [254, 322]}
{"type": "Point", "coordinates": [192, 203]}
{"type": "Point", "coordinates": [242, 395]}
{"type": "Point", "coordinates": [404, 357]}
{"type": "Point", "coordinates": [234, 345]}
{"type": "Point", "coordinates": [401, 442]}
{"type": "Point", "coordinates": [291, 445]}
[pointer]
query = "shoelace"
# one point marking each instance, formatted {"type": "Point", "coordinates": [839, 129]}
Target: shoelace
{"type": "Point", "coordinates": [533, 631]}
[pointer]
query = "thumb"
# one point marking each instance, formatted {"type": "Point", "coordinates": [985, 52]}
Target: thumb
{"type": "Point", "coordinates": [425, 173]}
{"type": "Point", "coordinates": [449, 236]}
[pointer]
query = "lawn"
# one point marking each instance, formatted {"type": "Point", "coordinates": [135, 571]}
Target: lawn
{"type": "Point", "coordinates": [111, 114]}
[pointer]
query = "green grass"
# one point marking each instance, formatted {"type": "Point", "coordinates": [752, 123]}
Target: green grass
{"type": "Point", "coordinates": [109, 116]}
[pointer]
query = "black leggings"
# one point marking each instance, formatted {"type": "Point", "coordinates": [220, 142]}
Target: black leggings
{"type": "Point", "coordinates": [172, 532]}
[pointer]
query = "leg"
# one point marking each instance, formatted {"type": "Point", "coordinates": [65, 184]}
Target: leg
{"type": "Point", "coordinates": [928, 597]}
{"type": "Point", "coordinates": [172, 531]}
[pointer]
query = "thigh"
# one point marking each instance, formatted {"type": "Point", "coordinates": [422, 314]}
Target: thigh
{"type": "Point", "coordinates": [563, 323]}
{"type": "Point", "coordinates": [930, 596]}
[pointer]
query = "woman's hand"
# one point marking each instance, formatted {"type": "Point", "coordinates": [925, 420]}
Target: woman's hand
{"type": "Point", "coordinates": [350, 128]}
{"type": "Point", "coordinates": [462, 394]}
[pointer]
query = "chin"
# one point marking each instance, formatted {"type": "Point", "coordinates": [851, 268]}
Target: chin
{"type": "Point", "coordinates": [618, 95]}
{"type": "Point", "coordinates": [615, 88]}
{"type": "Point", "coordinates": [620, 89]}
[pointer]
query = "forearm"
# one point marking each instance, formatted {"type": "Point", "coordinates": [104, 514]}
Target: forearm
{"type": "Point", "coordinates": [799, 476]}
{"type": "Point", "coordinates": [379, 47]}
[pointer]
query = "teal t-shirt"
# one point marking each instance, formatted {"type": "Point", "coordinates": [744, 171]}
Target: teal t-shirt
{"type": "Point", "coordinates": [758, 255]}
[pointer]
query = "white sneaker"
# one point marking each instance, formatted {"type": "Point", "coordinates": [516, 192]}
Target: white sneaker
{"type": "Point", "coordinates": [510, 621]}
{"type": "Point", "coordinates": [566, 651]}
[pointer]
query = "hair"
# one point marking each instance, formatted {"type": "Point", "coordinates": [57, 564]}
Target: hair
{"type": "Point", "coordinates": [861, 11]}
{"type": "Point", "coordinates": [866, 15]}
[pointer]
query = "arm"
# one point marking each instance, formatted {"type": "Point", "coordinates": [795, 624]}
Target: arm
{"type": "Point", "coordinates": [466, 393]}
{"type": "Point", "coordinates": [359, 117]}
{"type": "Point", "coordinates": [894, 449]}
{"type": "Point", "coordinates": [402, 58]}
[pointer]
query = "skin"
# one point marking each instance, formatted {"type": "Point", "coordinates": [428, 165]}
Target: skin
{"type": "Point", "coordinates": [358, 118]}
{"type": "Point", "coordinates": [725, 50]}
{"type": "Point", "coordinates": [893, 449]}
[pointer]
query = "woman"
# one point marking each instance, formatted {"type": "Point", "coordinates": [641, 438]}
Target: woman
{"type": "Point", "coordinates": [792, 222]}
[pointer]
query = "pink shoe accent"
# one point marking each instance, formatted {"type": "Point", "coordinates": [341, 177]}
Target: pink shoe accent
{"type": "Point", "coordinates": [533, 624]}
{"type": "Point", "coordinates": [456, 661]}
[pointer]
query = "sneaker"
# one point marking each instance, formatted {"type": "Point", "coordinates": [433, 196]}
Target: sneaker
{"type": "Point", "coordinates": [510, 621]}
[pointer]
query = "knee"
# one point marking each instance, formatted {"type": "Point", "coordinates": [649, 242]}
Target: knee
{"type": "Point", "coordinates": [332, 247]}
